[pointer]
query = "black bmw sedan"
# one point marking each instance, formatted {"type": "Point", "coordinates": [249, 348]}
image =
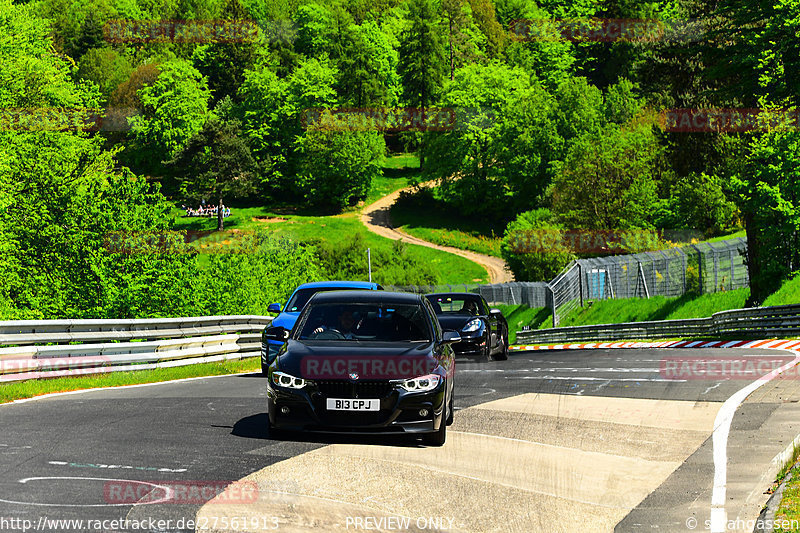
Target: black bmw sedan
{"type": "Point", "coordinates": [364, 362]}
{"type": "Point", "coordinates": [483, 331]}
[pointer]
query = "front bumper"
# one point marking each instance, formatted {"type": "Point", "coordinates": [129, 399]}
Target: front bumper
{"type": "Point", "coordinates": [398, 414]}
{"type": "Point", "coordinates": [471, 344]}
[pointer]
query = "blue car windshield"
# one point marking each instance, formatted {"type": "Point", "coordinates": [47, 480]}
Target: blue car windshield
{"type": "Point", "coordinates": [367, 322]}
{"type": "Point", "coordinates": [301, 297]}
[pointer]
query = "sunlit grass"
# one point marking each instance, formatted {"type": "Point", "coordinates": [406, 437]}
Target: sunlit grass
{"type": "Point", "coordinates": [28, 389]}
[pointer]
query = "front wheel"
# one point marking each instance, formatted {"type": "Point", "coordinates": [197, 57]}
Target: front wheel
{"type": "Point", "coordinates": [451, 413]}
{"type": "Point", "coordinates": [437, 438]}
{"type": "Point", "coordinates": [502, 355]}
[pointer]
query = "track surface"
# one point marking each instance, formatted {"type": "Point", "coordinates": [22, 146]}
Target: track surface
{"type": "Point", "coordinates": [568, 441]}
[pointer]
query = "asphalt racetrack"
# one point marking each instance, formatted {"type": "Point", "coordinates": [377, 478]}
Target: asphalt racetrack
{"type": "Point", "coordinates": [583, 440]}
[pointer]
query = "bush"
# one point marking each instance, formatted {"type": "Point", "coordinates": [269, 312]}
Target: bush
{"type": "Point", "coordinates": [533, 247]}
{"type": "Point", "coordinates": [348, 260]}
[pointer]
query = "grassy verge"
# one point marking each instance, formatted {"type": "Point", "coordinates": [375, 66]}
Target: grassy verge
{"type": "Point", "coordinates": [655, 308]}
{"type": "Point", "coordinates": [518, 316]}
{"type": "Point", "coordinates": [28, 389]}
{"type": "Point", "coordinates": [789, 507]}
{"type": "Point", "coordinates": [789, 293]}
{"type": "Point", "coordinates": [398, 171]}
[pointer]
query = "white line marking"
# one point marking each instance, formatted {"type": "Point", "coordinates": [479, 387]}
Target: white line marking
{"type": "Point", "coordinates": [169, 492]}
{"type": "Point", "coordinates": [722, 426]}
{"type": "Point", "coordinates": [121, 387]}
{"type": "Point", "coordinates": [579, 378]}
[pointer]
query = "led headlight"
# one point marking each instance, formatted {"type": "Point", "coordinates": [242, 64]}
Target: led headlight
{"type": "Point", "coordinates": [282, 379]}
{"type": "Point", "coordinates": [473, 325]}
{"type": "Point", "coordinates": [420, 384]}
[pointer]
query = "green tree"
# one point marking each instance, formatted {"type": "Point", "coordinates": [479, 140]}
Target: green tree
{"type": "Point", "coordinates": [175, 107]}
{"type": "Point", "coordinates": [501, 144]}
{"type": "Point", "coordinates": [422, 60]}
{"type": "Point", "coordinates": [767, 190]}
{"type": "Point", "coordinates": [534, 247]}
{"type": "Point", "coordinates": [105, 67]}
{"type": "Point", "coordinates": [609, 180]}
{"type": "Point", "coordinates": [465, 42]}
{"type": "Point", "coordinates": [215, 163]}
{"type": "Point", "coordinates": [335, 169]}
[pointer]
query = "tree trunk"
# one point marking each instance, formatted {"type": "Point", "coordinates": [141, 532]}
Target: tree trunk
{"type": "Point", "coordinates": [220, 217]}
{"type": "Point", "coordinates": [757, 289]}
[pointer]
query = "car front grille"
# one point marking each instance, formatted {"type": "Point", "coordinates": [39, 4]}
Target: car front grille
{"type": "Point", "coordinates": [354, 389]}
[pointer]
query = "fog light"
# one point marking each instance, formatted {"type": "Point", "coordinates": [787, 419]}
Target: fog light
{"type": "Point", "coordinates": [284, 410]}
{"type": "Point", "coordinates": [423, 413]}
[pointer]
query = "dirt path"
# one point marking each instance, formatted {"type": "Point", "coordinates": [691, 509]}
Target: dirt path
{"type": "Point", "coordinates": [376, 218]}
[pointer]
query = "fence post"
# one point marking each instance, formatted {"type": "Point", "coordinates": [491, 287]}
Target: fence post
{"type": "Point", "coordinates": [550, 295]}
{"type": "Point", "coordinates": [699, 268]}
{"type": "Point", "coordinates": [580, 282]}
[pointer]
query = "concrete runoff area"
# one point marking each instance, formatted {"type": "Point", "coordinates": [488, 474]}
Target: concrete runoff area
{"type": "Point", "coordinates": [532, 481]}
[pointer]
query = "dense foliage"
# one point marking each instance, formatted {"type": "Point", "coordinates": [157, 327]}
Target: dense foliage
{"type": "Point", "coordinates": [537, 123]}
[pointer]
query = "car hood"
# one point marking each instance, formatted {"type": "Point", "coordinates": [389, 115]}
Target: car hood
{"type": "Point", "coordinates": [454, 322]}
{"type": "Point", "coordinates": [371, 360]}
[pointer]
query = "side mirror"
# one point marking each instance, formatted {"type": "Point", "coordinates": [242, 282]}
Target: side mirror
{"type": "Point", "coordinates": [495, 312]}
{"type": "Point", "coordinates": [450, 337]}
{"type": "Point", "coordinates": [274, 308]}
{"type": "Point", "coordinates": [278, 333]}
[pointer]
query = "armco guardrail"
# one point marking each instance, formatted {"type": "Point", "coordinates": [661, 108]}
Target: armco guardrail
{"type": "Point", "coordinates": [28, 351]}
{"type": "Point", "coordinates": [776, 321]}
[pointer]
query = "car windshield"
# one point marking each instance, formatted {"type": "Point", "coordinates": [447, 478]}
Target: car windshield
{"type": "Point", "coordinates": [456, 305]}
{"type": "Point", "coordinates": [301, 297]}
{"type": "Point", "coordinates": [365, 322]}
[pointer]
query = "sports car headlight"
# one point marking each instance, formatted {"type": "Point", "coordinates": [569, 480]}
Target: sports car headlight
{"type": "Point", "coordinates": [282, 379]}
{"type": "Point", "coordinates": [420, 384]}
{"type": "Point", "coordinates": [473, 325]}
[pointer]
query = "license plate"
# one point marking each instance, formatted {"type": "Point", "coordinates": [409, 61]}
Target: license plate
{"type": "Point", "coordinates": [336, 404]}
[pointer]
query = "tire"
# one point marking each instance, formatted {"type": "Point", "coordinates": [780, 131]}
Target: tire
{"type": "Point", "coordinates": [451, 413]}
{"type": "Point", "coordinates": [502, 355]}
{"type": "Point", "coordinates": [274, 433]}
{"type": "Point", "coordinates": [436, 438]}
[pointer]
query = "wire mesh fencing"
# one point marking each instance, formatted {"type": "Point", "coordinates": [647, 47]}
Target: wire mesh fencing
{"type": "Point", "coordinates": [705, 267]}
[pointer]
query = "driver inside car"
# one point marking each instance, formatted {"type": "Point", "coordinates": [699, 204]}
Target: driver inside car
{"type": "Point", "coordinates": [347, 325]}
{"type": "Point", "coordinates": [469, 307]}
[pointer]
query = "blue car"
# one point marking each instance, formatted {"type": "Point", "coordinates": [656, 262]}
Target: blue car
{"type": "Point", "coordinates": [288, 315]}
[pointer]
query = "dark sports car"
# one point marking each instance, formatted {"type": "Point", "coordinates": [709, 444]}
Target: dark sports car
{"type": "Point", "coordinates": [364, 362]}
{"type": "Point", "coordinates": [483, 331]}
